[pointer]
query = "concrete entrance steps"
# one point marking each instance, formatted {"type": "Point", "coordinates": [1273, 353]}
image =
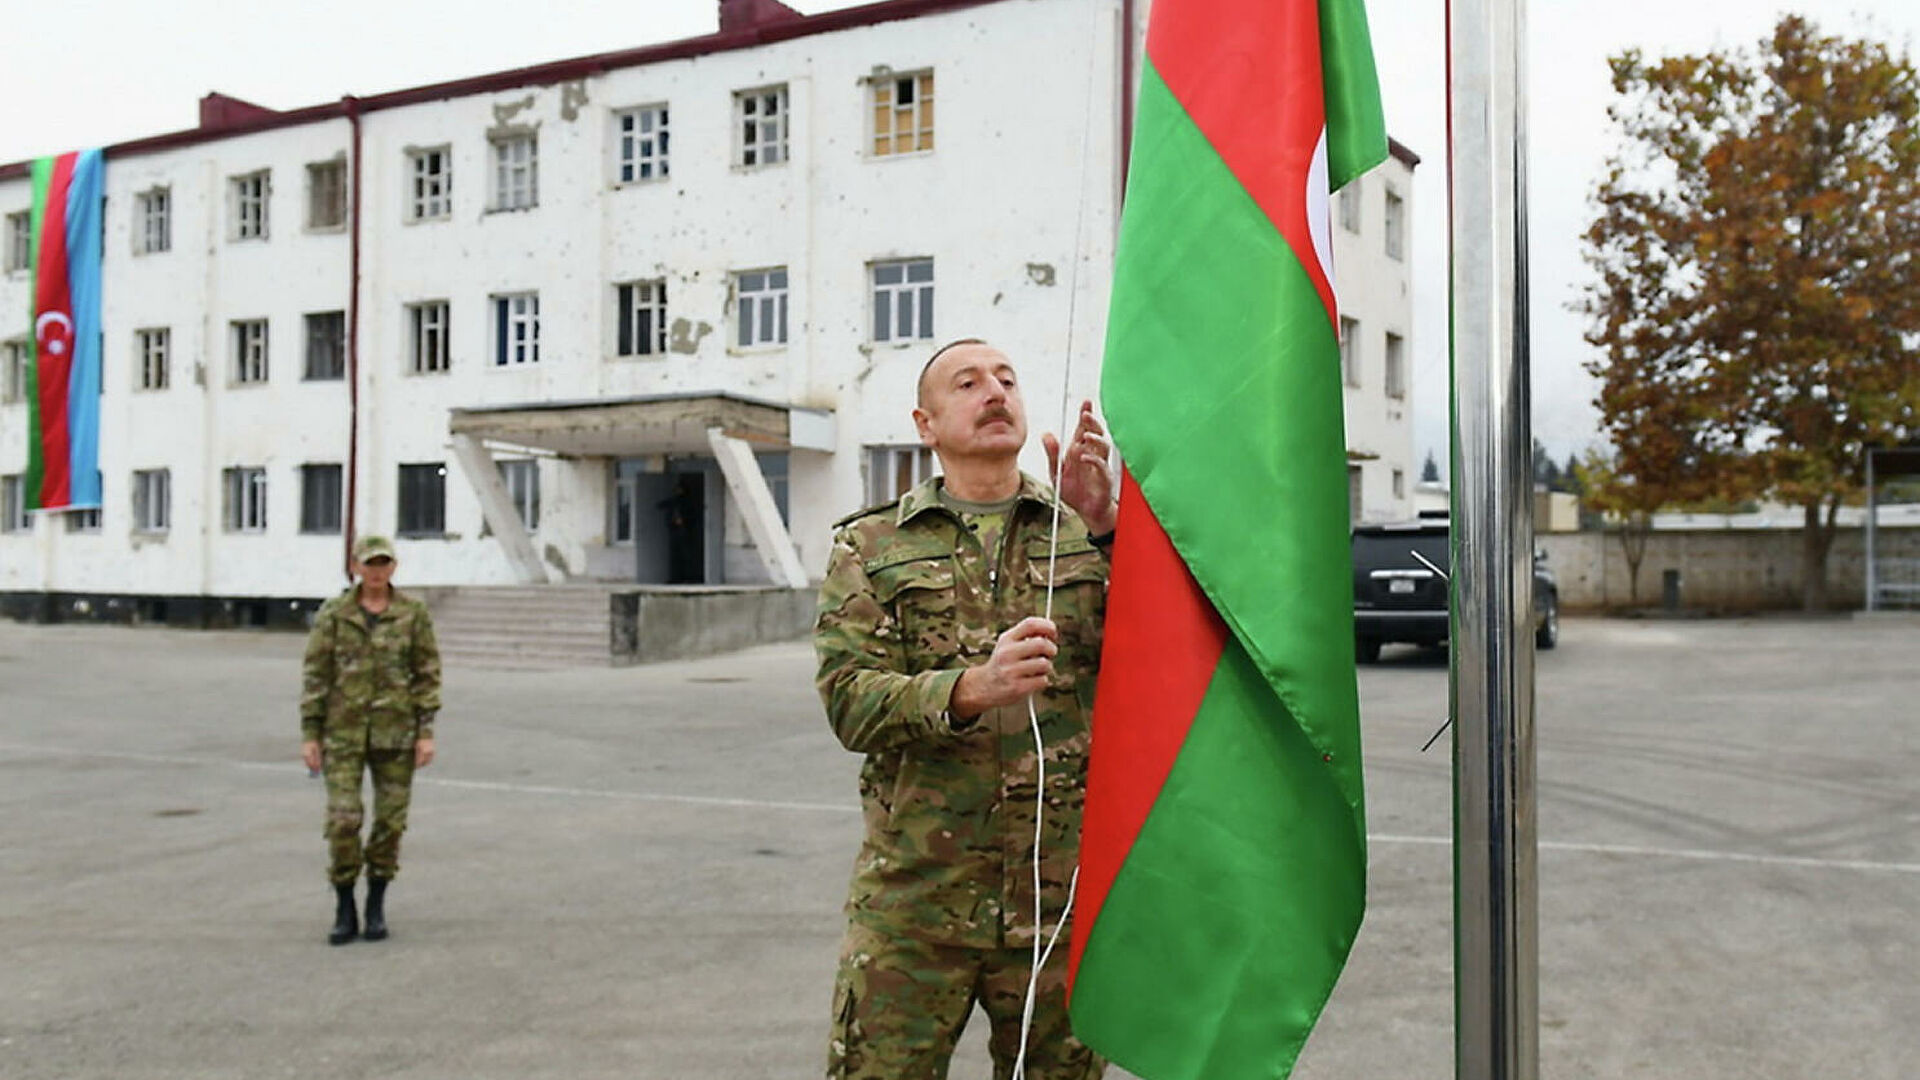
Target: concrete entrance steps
{"type": "Point", "coordinates": [525, 627]}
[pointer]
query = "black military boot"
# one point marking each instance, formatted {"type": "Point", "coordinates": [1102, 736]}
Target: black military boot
{"type": "Point", "coordinates": [346, 923]}
{"type": "Point", "coordinates": [376, 929]}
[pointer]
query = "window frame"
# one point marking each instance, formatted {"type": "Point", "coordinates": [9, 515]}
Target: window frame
{"type": "Point", "coordinates": [19, 242]}
{"type": "Point", "coordinates": [746, 103]}
{"type": "Point", "coordinates": [505, 319]}
{"type": "Point", "coordinates": [153, 358]}
{"type": "Point", "coordinates": [13, 504]}
{"type": "Point", "coordinates": [151, 516]}
{"type": "Point", "coordinates": [914, 299]}
{"type": "Point", "coordinates": [628, 152]}
{"type": "Point", "coordinates": [243, 499]}
{"type": "Point", "coordinates": [340, 200]}
{"type": "Point", "coordinates": [1352, 205]}
{"type": "Point", "coordinates": [436, 527]}
{"type": "Point", "coordinates": [521, 477]}
{"type": "Point", "coordinates": [309, 502]}
{"type": "Point", "coordinates": [507, 194]}
{"type": "Point", "coordinates": [239, 198]}
{"type": "Point", "coordinates": [242, 372]}
{"type": "Point", "coordinates": [420, 202]}
{"type": "Point", "coordinates": [884, 461]}
{"type": "Point", "coordinates": [418, 331]}
{"type": "Point", "coordinates": [153, 213]}
{"type": "Point", "coordinates": [767, 299]}
{"type": "Point", "coordinates": [1395, 380]}
{"type": "Point", "coordinates": [16, 363]}
{"type": "Point", "coordinates": [629, 340]}
{"type": "Point", "coordinates": [1350, 351]}
{"type": "Point", "coordinates": [920, 110]}
{"type": "Point", "coordinates": [335, 369]}
{"type": "Point", "coordinates": [1394, 225]}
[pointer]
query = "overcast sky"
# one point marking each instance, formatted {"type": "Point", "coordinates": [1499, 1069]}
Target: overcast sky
{"type": "Point", "coordinates": [94, 72]}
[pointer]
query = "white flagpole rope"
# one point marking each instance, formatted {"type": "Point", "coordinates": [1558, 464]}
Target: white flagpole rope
{"type": "Point", "coordinates": [1067, 414]}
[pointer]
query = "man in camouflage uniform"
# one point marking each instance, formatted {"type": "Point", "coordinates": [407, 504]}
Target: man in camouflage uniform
{"type": "Point", "coordinates": [932, 640]}
{"type": "Point", "coordinates": [370, 691]}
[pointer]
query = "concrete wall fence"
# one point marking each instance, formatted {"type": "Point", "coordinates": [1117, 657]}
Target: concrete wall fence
{"type": "Point", "coordinates": [1720, 569]}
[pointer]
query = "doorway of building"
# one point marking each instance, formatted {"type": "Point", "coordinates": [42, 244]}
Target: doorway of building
{"type": "Point", "coordinates": [668, 513]}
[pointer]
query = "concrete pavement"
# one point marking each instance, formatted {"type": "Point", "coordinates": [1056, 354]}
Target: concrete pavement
{"type": "Point", "coordinates": [637, 872]}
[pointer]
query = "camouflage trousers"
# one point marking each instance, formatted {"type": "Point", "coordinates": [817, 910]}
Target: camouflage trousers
{"type": "Point", "coordinates": [392, 772]}
{"type": "Point", "coordinates": [899, 1005]}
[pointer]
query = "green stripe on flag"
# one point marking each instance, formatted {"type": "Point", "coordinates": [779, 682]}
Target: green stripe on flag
{"type": "Point", "coordinates": [36, 465]}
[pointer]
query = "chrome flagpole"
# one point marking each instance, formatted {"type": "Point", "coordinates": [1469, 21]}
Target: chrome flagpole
{"type": "Point", "coordinates": [1496, 965]}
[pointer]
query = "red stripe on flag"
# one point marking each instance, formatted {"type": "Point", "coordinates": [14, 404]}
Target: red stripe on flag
{"type": "Point", "coordinates": [1163, 641]}
{"type": "Point", "coordinates": [53, 339]}
{"type": "Point", "coordinates": [1256, 93]}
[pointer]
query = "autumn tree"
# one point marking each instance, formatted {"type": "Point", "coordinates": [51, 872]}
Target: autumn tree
{"type": "Point", "coordinates": [1758, 300]}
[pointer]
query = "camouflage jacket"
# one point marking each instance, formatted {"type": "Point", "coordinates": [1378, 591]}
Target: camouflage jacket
{"type": "Point", "coordinates": [380, 686]}
{"type": "Point", "coordinates": [909, 602]}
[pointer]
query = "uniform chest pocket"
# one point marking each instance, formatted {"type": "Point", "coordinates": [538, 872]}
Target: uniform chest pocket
{"type": "Point", "coordinates": [1079, 576]}
{"type": "Point", "coordinates": [918, 592]}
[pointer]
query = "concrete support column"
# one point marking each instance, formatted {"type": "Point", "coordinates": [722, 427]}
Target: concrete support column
{"type": "Point", "coordinates": [497, 507]}
{"type": "Point", "coordinates": [750, 492]}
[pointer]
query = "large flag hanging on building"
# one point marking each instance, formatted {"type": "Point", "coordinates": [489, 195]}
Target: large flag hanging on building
{"type": "Point", "coordinates": [1223, 860]}
{"type": "Point", "coordinates": [63, 447]}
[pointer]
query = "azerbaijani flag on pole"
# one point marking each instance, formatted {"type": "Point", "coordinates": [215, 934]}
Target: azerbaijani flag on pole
{"type": "Point", "coordinates": [1223, 857]}
{"type": "Point", "coordinates": [63, 443]}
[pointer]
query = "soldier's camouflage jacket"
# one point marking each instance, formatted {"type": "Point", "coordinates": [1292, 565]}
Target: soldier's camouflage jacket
{"type": "Point", "coordinates": [377, 687]}
{"type": "Point", "coordinates": [910, 600]}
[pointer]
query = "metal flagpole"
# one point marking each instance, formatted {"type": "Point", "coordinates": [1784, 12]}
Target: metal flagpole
{"type": "Point", "coordinates": [1496, 965]}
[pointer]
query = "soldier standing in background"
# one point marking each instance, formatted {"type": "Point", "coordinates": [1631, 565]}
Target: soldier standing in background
{"type": "Point", "coordinates": [931, 641]}
{"type": "Point", "coordinates": [370, 690]}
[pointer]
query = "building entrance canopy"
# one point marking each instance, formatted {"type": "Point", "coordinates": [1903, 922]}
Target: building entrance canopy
{"type": "Point", "coordinates": [650, 424]}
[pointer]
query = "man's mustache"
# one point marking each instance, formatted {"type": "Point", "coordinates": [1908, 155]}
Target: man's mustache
{"type": "Point", "coordinates": [996, 413]}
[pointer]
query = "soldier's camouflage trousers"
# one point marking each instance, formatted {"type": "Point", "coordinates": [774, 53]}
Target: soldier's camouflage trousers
{"type": "Point", "coordinates": [392, 772]}
{"type": "Point", "coordinates": [899, 1005]}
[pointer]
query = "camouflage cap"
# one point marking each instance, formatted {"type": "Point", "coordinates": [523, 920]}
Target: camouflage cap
{"type": "Point", "coordinates": [368, 547]}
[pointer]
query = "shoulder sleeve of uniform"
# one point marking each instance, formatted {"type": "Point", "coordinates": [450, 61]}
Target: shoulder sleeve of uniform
{"type": "Point", "coordinates": [868, 512]}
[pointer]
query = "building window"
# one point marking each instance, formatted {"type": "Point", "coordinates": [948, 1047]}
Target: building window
{"type": "Point", "coordinates": [760, 307]}
{"type": "Point", "coordinates": [523, 490]}
{"type": "Point", "coordinates": [427, 337]}
{"type": "Point", "coordinates": [1396, 366]}
{"type": "Point", "coordinates": [19, 241]}
{"type": "Point", "coordinates": [642, 329]}
{"type": "Point", "coordinates": [640, 144]}
{"type": "Point", "coordinates": [83, 521]}
{"type": "Point", "coordinates": [150, 349]}
{"type": "Point", "coordinates": [516, 329]}
{"type": "Point", "coordinates": [327, 194]}
{"type": "Point", "coordinates": [423, 500]}
{"type": "Point", "coordinates": [430, 180]}
{"type": "Point", "coordinates": [320, 499]}
{"type": "Point", "coordinates": [623, 500]}
{"type": "Point", "coordinates": [250, 351]}
{"type": "Point", "coordinates": [1353, 493]}
{"type": "Point", "coordinates": [1350, 207]}
{"type": "Point", "coordinates": [154, 209]}
{"type": "Point", "coordinates": [244, 508]}
{"type": "Point", "coordinates": [892, 471]}
{"type": "Point", "coordinates": [760, 116]}
{"type": "Point", "coordinates": [19, 363]}
{"type": "Point", "coordinates": [902, 113]}
{"type": "Point", "coordinates": [516, 172]}
{"type": "Point", "coordinates": [1395, 225]}
{"type": "Point", "coordinates": [1350, 350]}
{"type": "Point", "coordinates": [247, 205]}
{"type": "Point", "coordinates": [1399, 484]}
{"type": "Point", "coordinates": [903, 300]}
{"type": "Point", "coordinates": [152, 500]}
{"type": "Point", "coordinates": [326, 346]}
{"type": "Point", "coordinates": [13, 504]}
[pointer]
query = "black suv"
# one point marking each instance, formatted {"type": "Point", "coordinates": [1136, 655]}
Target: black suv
{"type": "Point", "coordinates": [1397, 597]}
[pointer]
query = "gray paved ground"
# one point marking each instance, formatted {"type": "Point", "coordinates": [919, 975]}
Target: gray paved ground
{"type": "Point", "coordinates": [636, 873]}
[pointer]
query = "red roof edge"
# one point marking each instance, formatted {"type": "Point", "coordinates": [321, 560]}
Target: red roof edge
{"type": "Point", "coordinates": [1399, 150]}
{"type": "Point", "coordinates": [218, 110]}
{"type": "Point", "coordinates": [745, 24]}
